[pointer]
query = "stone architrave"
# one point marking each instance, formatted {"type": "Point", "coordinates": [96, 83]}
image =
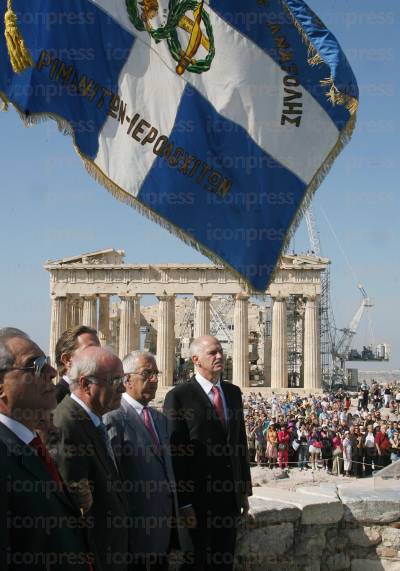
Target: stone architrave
{"type": "Point", "coordinates": [166, 339]}
{"type": "Point", "coordinates": [202, 316]}
{"type": "Point", "coordinates": [58, 322]}
{"type": "Point", "coordinates": [279, 350]}
{"type": "Point", "coordinates": [312, 349]}
{"type": "Point", "coordinates": [104, 319]}
{"type": "Point", "coordinates": [126, 322]}
{"type": "Point", "coordinates": [89, 311]}
{"type": "Point", "coordinates": [240, 357]}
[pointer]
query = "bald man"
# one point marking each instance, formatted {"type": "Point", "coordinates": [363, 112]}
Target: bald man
{"type": "Point", "coordinates": [210, 457]}
{"type": "Point", "coordinates": [86, 459]}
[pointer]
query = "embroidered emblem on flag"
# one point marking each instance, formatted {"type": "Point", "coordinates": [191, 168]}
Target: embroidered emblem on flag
{"type": "Point", "coordinates": [217, 119]}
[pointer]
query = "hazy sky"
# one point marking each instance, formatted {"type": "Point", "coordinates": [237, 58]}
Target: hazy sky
{"type": "Point", "coordinates": [51, 208]}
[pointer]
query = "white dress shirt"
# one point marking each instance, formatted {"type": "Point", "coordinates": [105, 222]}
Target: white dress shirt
{"type": "Point", "coordinates": [207, 388]}
{"type": "Point", "coordinates": [93, 417]}
{"type": "Point", "coordinates": [19, 429]}
{"type": "Point", "coordinates": [138, 407]}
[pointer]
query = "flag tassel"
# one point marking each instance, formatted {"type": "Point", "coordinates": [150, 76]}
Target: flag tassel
{"type": "Point", "coordinates": [19, 55]}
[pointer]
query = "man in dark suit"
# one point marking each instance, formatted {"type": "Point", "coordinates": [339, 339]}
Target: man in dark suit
{"type": "Point", "coordinates": [73, 340]}
{"type": "Point", "coordinates": [40, 526]}
{"type": "Point", "coordinates": [86, 460]}
{"type": "Point", "coordinates": [139, 437]}
{"type": "Point", "coordinates": [210, 457]}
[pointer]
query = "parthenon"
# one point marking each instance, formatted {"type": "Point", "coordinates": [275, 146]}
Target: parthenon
{"type": "Point", "coordinates": [81, 288]}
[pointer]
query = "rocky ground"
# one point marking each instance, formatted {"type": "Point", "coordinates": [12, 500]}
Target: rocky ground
{"type": "Point", "coordinates": [291, 479]}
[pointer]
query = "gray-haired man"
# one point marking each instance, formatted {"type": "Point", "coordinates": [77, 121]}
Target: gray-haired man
{"type": "Point", "coordinates": [140, 441]}
{"type": "Point", "coordinates": [40, 525]}
{"type": "Point", "coordinates": [86, 460]}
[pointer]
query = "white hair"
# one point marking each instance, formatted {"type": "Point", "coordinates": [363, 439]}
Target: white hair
{"type": "Point", "coordinates": [82, 366]}
{"type": "Point", "coordinates": [196, 346]}
{"type": "Point", "coordinates": [130, 361]}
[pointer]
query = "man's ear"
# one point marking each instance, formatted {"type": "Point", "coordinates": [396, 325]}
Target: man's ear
{"type": "Point", "coordinates": [195, 360]}
{"type": "Point", "coordinates": [84, 384]}
{"type": "Point", "coordinates": [66, 361]}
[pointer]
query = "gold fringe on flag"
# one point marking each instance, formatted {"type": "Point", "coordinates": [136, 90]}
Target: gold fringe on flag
{"type": "Point", "coordinates": [20, 57]}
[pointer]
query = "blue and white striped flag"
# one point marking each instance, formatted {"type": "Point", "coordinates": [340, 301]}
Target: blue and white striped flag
{"type": "Point", "coordinates": [218, 119]}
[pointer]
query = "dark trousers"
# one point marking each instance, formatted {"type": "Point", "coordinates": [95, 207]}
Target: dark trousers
{"type": "Point", "coordinates": [357, 465]}
{"type": "Point", "coordinates": [369, 457]}
{"type": "Point", "coordinates": [213, 542]}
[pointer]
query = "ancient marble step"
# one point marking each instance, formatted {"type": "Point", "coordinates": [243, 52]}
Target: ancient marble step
{"type": "Point", "coordinates": [316, 509]}
{"type": "Point", "coordinates": [365, 503]}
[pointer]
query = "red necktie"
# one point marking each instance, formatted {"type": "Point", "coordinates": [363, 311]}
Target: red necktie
{"type": "Point", "coordinates": [149, 425]}
{"type": "Point", "coordinates": [41, 449]}
{"type": "Point", "coordinates": [219, 407]}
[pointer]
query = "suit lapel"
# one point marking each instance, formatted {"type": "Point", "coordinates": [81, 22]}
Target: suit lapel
{"type": "Point", "coordinates": [137, 424]}
{"type": "Point", "coordinates": [229, 406]}
{"type": "Point", "coordinates": [29, 460]}
{"type": "Point", "coordinates": [86, 424]}
{"type": "Point", "coordinates": [199, 394]}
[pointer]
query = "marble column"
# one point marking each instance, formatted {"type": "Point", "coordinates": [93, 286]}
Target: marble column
{"type": "Point", "coordinates": [104, 319]}
{"type": "Point", "coordinates": [202, 316]}
{"type": "Point", "coordinates": [89, 311]}
{"type": "Point", "coordinates": [135, 326]}
{"type": "Point", "coordinates": [58, 322]}
{"type": "Point", "coordinates": [240, 357]}
{"type": "Point", "coordinates": [267, 361]}
{"type": "Point", "coordinates": [75, 312]}
{"type": "Point", "coordinates": [312, 347]}
{"type": "Point", "coordinates": [279, 350]}
{"type": "Point", "coordinates": [166, 339]}
{"type": "Point", "coordinates": [126, 314]}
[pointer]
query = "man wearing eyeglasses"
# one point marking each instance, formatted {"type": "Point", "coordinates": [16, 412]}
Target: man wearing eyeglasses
{"type": "Point", "coordinates": [41, 527]}
{"type": "Point", "coordinates": [139, 438]}
{"type": "Point", "coordinates": [87, 462]}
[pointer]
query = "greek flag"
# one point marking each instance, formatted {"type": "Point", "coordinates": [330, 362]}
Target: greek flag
{"type": "Point", "coordinates": [218, 119]}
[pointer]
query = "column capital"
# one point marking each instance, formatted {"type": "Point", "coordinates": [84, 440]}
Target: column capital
{"type": "Point", "coordinates": [203, 297]}
{"type": "Point", "coordinates": [279, 297]}
{"type": "Point", "coordinates": [166, 297]}
{"type": "Point", "coordinates": [242, 296]}
{"type": "Point", "coordinates": [311, 296]}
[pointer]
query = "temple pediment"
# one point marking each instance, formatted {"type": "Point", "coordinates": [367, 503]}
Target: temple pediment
{"type": "Point", "coordinates": [303, 261]}
{"type": "Point", "coordinates": [101, 257]}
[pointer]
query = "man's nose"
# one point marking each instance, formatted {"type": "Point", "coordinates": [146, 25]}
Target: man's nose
{"type": "Point", "coordinates": [50, 373]}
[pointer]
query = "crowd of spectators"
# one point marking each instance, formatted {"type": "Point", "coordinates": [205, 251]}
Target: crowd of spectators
{"type": "Point", "coordinates": [352, 435]}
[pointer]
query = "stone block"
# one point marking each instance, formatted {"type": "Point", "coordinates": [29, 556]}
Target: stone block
{"type": "Point", "coordinates": [310, 540]}
{"type": "Point", "coordinates": [364, 504]}
{"type": "Point", "coordinates": [315, 509]}
{"type": "Point", "coordinates": [265, 512]}
{"type": "Point", "coordinates": [363, 536]}
{"type": "Point", "coordinates": [266, 543]}
{"type": "Point", "coordinates": [337, 562]}
{"type": "Point", "coordinates": [388, 552]}
{"type": "Point", "coordinates": [312, 565]}
{"type": "Point", "coordinates": [374, 565]}
{"type": "Point", "coordinates": [391, 537]}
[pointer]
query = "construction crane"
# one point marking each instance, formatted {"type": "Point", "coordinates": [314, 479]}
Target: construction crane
{"type": "Point", "coordinates": [341, 349]}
